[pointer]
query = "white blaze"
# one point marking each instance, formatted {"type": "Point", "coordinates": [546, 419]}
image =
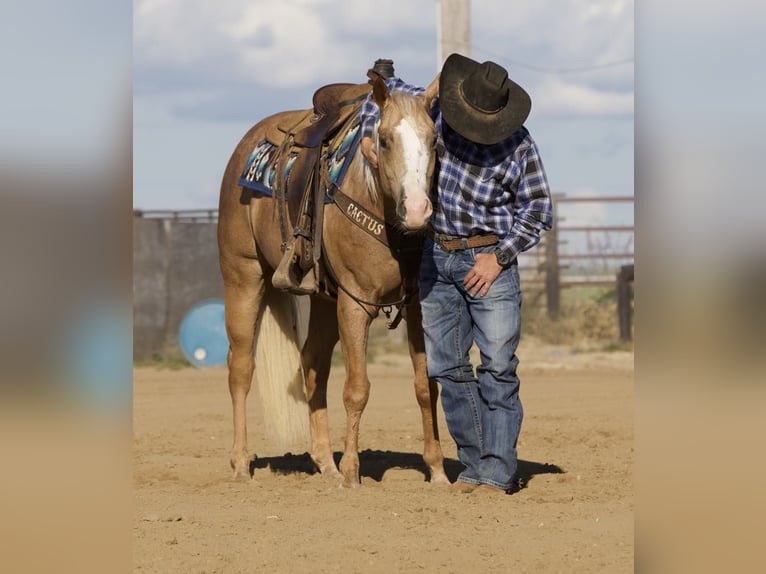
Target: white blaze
{"type": "Point", "coordinates": [415, 187]}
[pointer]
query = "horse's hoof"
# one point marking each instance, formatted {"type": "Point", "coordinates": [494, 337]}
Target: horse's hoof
{"type": "Point", "coordinates": [439, 478]}
{"type": "Point", "coordinates": [328, 469]}
{"type": "Point", "coordinates": [241, 468]}
{"type": "Point", "coordinates": [350, 477]}
{"type": "Point", "coordinates": [240, 473]}
{"type": "Point", "coordinates": [331, 473]}
{"type": "Point", "coordinates": [350, 483]}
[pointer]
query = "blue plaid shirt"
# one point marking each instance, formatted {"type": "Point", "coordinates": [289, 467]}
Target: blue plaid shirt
{"type": "Point", "coordinates": [500, 189]}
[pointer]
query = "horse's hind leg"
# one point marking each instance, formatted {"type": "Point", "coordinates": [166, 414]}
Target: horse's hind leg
{"type": "Point", "coordinates": [243, 294]}
{"type": "Point", "coordinates": [427, 394]}
{"type": "Point", "coordinates": [316, 358]}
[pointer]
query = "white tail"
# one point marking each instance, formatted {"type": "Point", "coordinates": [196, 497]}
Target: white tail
{"type": "Point", "coordinates": [278, 372]}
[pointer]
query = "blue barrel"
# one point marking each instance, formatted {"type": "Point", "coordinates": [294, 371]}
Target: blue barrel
{"type": "Point", "coordinates": [202, 334]}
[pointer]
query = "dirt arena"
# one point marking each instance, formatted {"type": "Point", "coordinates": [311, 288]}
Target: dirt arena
{"type": "Point", "coordinates": [574, 512]}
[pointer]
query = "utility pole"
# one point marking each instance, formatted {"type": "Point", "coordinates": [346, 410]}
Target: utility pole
{"type": "Point", "coordinates": [453, 18]}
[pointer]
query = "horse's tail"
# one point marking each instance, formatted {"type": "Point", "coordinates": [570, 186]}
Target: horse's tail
{"type": "Point", "coordinates": [278, 370]}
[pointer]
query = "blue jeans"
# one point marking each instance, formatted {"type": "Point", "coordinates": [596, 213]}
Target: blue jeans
{"type": "Point", "coordinates": [483, 410]}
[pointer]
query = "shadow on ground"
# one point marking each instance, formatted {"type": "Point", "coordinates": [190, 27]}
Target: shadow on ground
{"type": "Point", "coordinates": [374, 464]}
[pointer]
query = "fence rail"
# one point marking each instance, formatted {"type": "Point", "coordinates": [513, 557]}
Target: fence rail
{"type": "Point", "coordinates": [183, 215]}
{"type": "Point", "coordinates": [552, 275]}
{"type": "Point", "coordinates": [629, 228]}
{"type": "Point", "coordinates": [545, 268]}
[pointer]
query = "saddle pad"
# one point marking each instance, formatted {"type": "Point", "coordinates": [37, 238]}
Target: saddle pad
{"type": "Point", "coordinates": [261, 165]}
{"type": "Point", "coordinates": [341, 152]}
{"type": "Point", "coordinates": [260, 168]}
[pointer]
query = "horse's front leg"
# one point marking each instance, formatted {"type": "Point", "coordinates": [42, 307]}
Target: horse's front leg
{"type": "Point", "coordinates": [427, 393]}
{"type": "Point", "coordinates": [354, 323]}
{"type": "Point", "coordinates": [317, 357]}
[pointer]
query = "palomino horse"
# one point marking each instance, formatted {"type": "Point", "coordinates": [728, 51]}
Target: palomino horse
{"type": "Point", "coordinates": [369, 274]}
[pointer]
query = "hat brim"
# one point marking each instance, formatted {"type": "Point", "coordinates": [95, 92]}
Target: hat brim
{"type": "Point", "coordinates": [474, 125]}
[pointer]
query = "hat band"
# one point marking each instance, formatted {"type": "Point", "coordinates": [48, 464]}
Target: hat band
{"type": "Point", "coordinates": [474, 106]}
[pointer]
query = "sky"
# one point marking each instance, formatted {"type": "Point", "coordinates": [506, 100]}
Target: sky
{"type": "Point", "coordinates": [204, 72]}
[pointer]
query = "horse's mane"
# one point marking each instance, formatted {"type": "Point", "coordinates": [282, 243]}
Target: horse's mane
{"type": "Point", "coordinates": [361, 170]}
{"type": "Point", "coordinates": [406, 102]}
{"type": "Point", "coordinates": [370, 176]}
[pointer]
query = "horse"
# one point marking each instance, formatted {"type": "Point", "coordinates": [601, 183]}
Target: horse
{"type": "Point", "coordinates": [368, 276]}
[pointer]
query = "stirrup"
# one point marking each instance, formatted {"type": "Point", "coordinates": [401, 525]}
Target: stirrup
{"type": "Point", "coordinates": [286, 276]}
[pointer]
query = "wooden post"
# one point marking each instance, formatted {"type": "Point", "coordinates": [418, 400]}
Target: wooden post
{"type": "Point", "coordinates": [624, 278]}
{"type": "Point", "coordinates": [453, 30]}
{"type": "Point", "coordinates": [552, 279]}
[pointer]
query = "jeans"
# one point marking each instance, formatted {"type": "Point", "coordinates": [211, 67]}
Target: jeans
{"type": "Point", "coordinates": [483, 410]}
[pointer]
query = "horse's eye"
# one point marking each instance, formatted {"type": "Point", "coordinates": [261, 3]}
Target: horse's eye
{"type": "Point", "coordinates": [383, 142]}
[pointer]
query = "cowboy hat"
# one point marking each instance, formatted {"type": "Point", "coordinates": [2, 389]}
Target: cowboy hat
{"type": "Point", "coordinates": [479, 101]}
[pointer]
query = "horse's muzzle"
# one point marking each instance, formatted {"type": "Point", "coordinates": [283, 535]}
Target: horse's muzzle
{"type": "Point", "coordinates": [414, 215]}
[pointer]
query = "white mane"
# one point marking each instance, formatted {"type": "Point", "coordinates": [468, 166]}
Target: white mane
{"type": "Point", "coordinates": [368, 175]}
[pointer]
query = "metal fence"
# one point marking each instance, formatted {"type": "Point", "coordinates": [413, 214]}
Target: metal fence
{"type": "Point", "coordinates": [176, 266]}
{"type": "Point", "coordinates": [184, 216]}
{"type": "Point", "coordinates": [552, 267]}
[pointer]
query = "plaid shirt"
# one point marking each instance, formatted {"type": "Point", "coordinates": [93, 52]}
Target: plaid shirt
{"type": "Point", "coordinates": [500, 189]}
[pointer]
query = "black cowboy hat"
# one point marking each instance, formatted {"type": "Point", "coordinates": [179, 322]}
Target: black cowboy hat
{"type": "Point", "coordinates": [479, 101]}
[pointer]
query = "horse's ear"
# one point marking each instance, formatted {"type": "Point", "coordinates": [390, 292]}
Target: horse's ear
{"type": "Point", "coordinates": [432, 91]}
{"type": "Point", "coordinates": [380, 91]}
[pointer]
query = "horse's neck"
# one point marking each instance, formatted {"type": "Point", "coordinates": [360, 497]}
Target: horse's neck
{"type": "Point", "coordinates": [363, 184]}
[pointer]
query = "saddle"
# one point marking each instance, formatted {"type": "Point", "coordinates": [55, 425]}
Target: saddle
{"type": "Point", "coordinates": [301, 193]}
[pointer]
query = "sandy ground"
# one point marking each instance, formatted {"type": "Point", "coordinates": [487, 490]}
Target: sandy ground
{"type": "Point", "coordinates": [574, 513]}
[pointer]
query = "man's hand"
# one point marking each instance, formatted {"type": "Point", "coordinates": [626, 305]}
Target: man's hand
{"type": "Point", "coordinates": [368, 151]}
{"type": "Point", "coordinates": [483, 273]}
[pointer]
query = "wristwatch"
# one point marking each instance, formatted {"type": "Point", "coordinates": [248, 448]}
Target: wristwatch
{"type": "Point", "coordinates": [503, 258]}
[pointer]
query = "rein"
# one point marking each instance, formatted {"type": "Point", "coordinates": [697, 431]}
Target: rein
{"type": "Point", "coordinates": [387, 308]}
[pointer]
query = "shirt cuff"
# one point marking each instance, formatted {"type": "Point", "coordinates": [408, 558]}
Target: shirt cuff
{"type": "Point", "coordinates": [513, 245]}
{"type": "Point", "coordinates": [368, 129]}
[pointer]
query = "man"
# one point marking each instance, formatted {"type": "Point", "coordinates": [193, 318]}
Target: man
{"type": "Point", "coordinates": [491, 202]}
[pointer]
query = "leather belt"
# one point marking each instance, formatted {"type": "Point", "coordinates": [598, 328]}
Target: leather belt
{"type": "Point", "coordinates": [452, 243]}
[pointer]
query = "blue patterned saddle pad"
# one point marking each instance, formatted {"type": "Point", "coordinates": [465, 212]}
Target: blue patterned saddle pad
{"type": "Point", "coordinates": [264, 161]}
